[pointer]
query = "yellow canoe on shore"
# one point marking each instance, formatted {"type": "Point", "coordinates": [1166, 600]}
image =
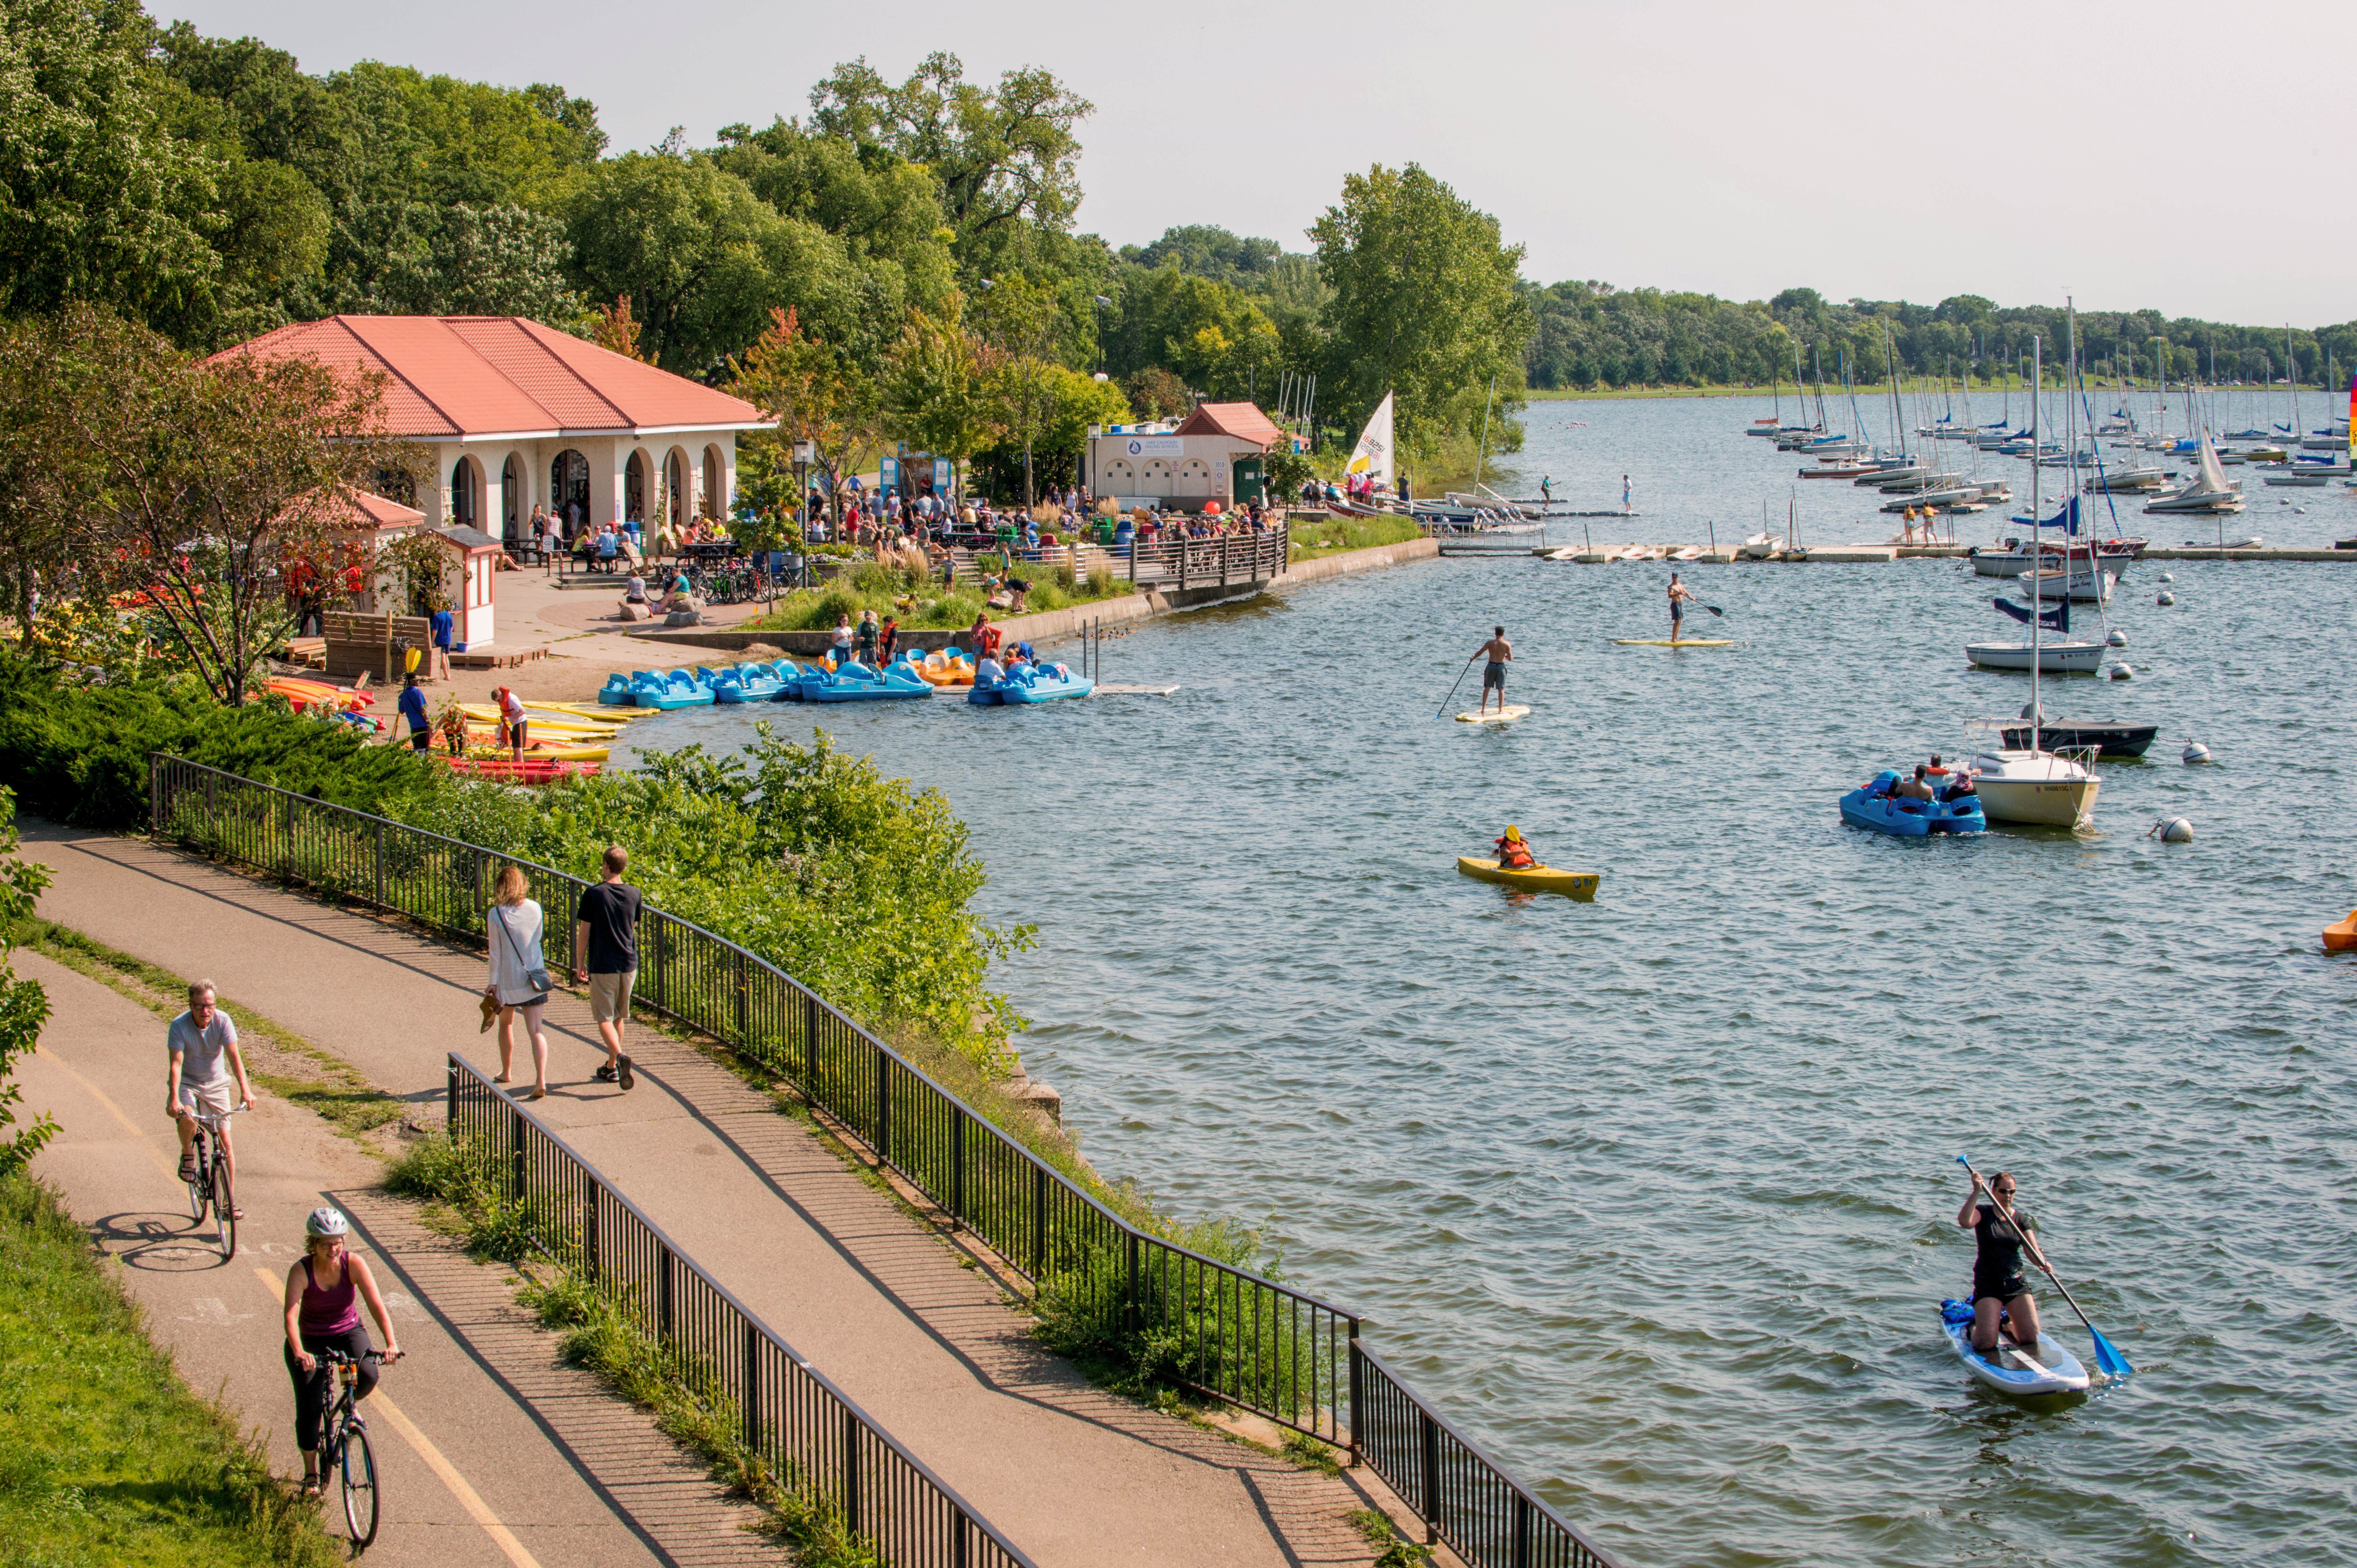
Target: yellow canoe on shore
{"type": "Point", "coordinates": [1535, 879]}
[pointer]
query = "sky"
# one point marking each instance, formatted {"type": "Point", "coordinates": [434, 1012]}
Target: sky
{"type": "Point", "coordinates": [2168, 154]}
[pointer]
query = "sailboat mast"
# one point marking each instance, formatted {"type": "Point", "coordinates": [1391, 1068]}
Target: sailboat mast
{"type": "Point", "coordinates": [2037, 603]}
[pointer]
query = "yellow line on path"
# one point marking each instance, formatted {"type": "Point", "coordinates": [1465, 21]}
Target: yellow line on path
{"type": "Point", "coordinates": [145, 1143]}
{"type": "Point", "coordinates": [477, 1509]}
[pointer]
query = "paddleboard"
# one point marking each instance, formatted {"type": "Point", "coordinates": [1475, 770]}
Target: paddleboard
{"type": "Point", "coordinates": [1666, 642]}
{"type": "Point", "coordinates": [2010, 1369]}
{"type": "Point", "coordinates": [1536, 878]}
{"type": "Point", "coordinates": [1495, 716]}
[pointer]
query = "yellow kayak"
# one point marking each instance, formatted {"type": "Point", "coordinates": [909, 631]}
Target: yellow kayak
{"type": "Point", "coordinates": [1537, 878]}
{"type": "Point", "coordinates": [484, 748]}
{"type": "Point", "coordinates": [543, 721]}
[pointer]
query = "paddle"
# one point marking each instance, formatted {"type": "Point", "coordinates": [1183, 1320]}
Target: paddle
{"type": "Point", "coordinates": [2107, 1356]}
{"type": "Point", "coordinates": [1452, 691]}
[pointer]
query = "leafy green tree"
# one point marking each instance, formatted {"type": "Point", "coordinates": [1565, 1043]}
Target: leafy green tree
{"type": "Point", "coordinates": [487, 260]}
{"type": "Point", "coordinates": [1424, 303]}
{"type": "Point", "coordinates": [814, 394]}
{"type": "Point", "coordinates": [943, 384]}
{"type": "Point", "coordinates": [1021, 321]}
{"type": "Point", "coordinates": [1207, 251]}
{"type": "Point", "coordinates": [24, 1005]}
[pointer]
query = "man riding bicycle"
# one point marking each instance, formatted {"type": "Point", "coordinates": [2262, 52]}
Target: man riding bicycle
{"type": "Point", "coordinates": [196, 1084]}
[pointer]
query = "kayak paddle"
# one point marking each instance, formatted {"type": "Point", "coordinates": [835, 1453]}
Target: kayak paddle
{"type": "Point", "coordinates": [2107, 1356]}
{"type": "Point", "coordinates": [1452, 691]}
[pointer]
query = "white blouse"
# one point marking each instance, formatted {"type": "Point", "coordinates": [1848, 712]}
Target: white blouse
{"type": "Point", "coordinates": [513, 931]}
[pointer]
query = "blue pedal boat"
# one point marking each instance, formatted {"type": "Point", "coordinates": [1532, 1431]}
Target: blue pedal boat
{"type": "Point", "coordinates": [1873, 807]}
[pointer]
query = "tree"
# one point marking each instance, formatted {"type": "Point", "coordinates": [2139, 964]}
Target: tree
{"type": "Point", "coordinates": [482, 261]}
{"type": "Point", "coordinates": [813, 395]}
{"type": "Point", "coordinates": [943, 382]}
{"type": "Point", "coordinates": [206, 480]}
{"type": "Point", "coordinates": [1156, 393]}
{"type": "Point", "coordinates": [1003, 158]}
{"type": "Point", "coordinates": [24, 1005]}
{"type": "Point", "coordinates": [1425, 302]}
{"type": "Point", "coordinates": [1021, 322]}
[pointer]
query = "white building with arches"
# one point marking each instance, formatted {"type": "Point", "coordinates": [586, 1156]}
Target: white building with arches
{"type": "Point", "coordinates": [516, 414]}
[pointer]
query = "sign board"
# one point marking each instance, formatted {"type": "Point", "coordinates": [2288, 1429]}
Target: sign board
{"type": "Point", "coordinates": [941, 479]}
{"type": "Point", "coordinates": [1154, 446]}
{"type": "Point", "coordinates": [887, 474]}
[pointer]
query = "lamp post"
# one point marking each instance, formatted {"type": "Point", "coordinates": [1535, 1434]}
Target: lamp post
{"type": "Point", "coordinates": [804, 452]}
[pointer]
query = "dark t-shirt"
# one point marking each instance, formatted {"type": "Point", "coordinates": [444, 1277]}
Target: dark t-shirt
{"type": "Point", "coordinates": [610, 910]}
{"type": "Point", "coordinates": [1999, 1259]}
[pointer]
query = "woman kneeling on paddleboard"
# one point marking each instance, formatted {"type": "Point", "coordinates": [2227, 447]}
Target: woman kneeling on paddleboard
{"type": "Point", "coordinates": [1999, 1282]}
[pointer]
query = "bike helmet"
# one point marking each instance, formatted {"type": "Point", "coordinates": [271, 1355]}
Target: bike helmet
{"type": "Point", "coordinates": [328, 1222]}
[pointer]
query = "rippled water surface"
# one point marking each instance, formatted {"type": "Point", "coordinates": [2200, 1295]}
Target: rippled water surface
{"type": "Point", "coordinates": [1655, 1194]}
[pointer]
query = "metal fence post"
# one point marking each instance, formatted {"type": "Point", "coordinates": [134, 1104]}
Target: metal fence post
{"type": "Point", "coordinates": [156, 800]}
{"type": "Point", "coordinates": [515, 1154]}
{"type": "Point", "coordinates": [380, 865]}
{"type": "Point", "coordinates": [809, 1038]}
{"type": "Point", "coordinates": [1522, 1547]}
{"type": "Point", "coordinates": [851, 1472]}
{"type": "Point", "coordinates": [883, 1106]}
{"type": "Point", "coordinates": [744, 988]}
{"type": "Point", "coordinates": [663, 1301]}
{"type": "Point", "coordinates": [450, 1103]}
{"type": "Point", "coordinates": [1429, 1505]}
{"type": "Point", "coordinates": [957, 1164]}
{"type": "Point", "coordinates": [1130, 1315]}
{"type": "Point", "coordinates": [962, 1540]}
{"type": "Point", "coordinates": [1357, 1393]}
{"type": "Point", "coordinates": [590, 1261]}
{"type": "Point", "coordinates": [752, 1397]}
{"type": "Point", "coordinates": [1038, 1221]}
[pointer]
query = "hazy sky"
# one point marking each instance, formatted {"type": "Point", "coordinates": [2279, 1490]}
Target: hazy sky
{"type": "Point", "coordinates": [2189, 157]}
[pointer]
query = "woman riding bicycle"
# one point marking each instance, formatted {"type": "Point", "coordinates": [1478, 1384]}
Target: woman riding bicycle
{"type": "Point", "coordinates": [321, 1315]}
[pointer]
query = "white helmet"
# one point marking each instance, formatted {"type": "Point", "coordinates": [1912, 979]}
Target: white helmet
{"type": "Point", "coordinates": [329, 1222]}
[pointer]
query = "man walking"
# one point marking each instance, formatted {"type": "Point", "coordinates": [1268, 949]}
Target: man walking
{"type": "Point", "coordinates": [194, 1084]}
{"type": "Point", "coordinates": [413, 708]}
{"type": "Point", "coordinates": [607, 927]}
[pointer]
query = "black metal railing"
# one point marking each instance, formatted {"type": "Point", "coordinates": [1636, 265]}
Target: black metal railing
{"type": "Point", "coordinates": [1221, 1330]}
{"type": "Point", "coordinates": [780, 1407]}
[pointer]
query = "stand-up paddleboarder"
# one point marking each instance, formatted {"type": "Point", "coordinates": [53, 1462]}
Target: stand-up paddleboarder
{"type": "Point", "coordinates": [1493, 674]}
{"type": "Point", "coordinates": [1680, 597]}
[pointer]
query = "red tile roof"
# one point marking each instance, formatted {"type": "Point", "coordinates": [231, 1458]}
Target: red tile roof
{"type": "Point", "coordinates": [371, 511]}
{"type": "Point", "coordinates": [462, 377]}
{"type": "Point", "coordinates": [1243, 421]}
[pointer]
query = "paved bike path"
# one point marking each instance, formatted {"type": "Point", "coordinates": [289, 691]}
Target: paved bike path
{"type": "Point", "coordinates": [490, 1452]}
{"type": "Point", "coordinates": [1072, 1475]}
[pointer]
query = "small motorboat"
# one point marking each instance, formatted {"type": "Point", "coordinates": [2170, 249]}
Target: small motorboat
{"type": "Point", "coordinates": [1872, 806]}
{"type": "Point", "coordinates": [1531, 878]}
{"type": "Point", "coordinates": [2341, 935]}
{"type": "Point", "coordinates": [2107, 740]}
{"type": "Point", "coordinates": [2044, 1368]}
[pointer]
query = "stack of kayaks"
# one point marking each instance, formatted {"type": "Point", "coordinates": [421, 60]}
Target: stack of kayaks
{"type": "Point", "coordinates": [1531, 878]}
{"type": "Point", "coordinates": [307, 696]}
{"type": "Point", "coordinates": [503, 770]}
{"type": "Point", "coordinates": [1872, 805]}
{"type": "Point", "coordinates": [1030, 683]}
{"type": "Point", "coordinates": [2013, 1369]}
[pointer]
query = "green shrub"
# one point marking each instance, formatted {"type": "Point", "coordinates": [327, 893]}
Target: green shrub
{"type": "Point", "coordinates": [78, 754]}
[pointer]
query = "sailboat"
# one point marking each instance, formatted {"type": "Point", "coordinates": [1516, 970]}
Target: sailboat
{"type": "Point", "coordinates": [2208, 492]}
{"type": "Point", "coordinates": [2031, 784]}
{"type": "Point", "coordinates": [2038, 654]}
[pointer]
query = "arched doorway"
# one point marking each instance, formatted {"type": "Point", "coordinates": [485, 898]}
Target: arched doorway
{"type": "Point", "coordinates": [675, 491]}
{"type": "Point", "coordinates": [568, 490]}
{"type": "Point", "coordinates": [716, 483]}
{"type": "Point", "coordinates": [512, 485]}
{"type": "Point", "coordinates": [466, 493]}
{"type": "Point", "coordinates": [634, 487]}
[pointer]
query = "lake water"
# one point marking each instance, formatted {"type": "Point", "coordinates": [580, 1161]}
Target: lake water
{"type": "Point", "coordinates": [1655, 1195]}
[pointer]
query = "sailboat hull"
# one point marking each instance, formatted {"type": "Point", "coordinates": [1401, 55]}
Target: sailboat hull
{"type": "Point", "coordinates": [2059, 803]}
{"type": "Point", "coordinates": [2054, 658]}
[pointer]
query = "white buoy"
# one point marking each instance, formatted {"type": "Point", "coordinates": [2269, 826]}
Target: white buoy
{"type": "Point", "coordinates": [2171, 830]}
{"type": "Point", "coordinates": [2118, 638]}
{"type": "Point", "coordinates": [2167, 599]}
{"type": "Point", "coordinates": [2121, 673]}
{"type": "Point", "coordinates": [2196, 752]}
{"type": "Point", "coordinates": [2169, 576]}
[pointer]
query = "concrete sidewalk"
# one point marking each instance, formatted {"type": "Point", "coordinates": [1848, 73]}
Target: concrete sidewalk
{"type": "Point", "coordinates": [489, 1450]}
{"type": "Point", "coordinates": [1072, 1475]}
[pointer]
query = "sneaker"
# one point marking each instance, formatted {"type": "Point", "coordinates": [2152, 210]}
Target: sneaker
{"type": "Point", "coordinates": [629, 1079]}
{"type": "Point", "coordinates": [604, 1075]}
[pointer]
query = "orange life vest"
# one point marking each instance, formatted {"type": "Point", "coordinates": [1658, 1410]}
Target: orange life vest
{"type": "Point", "coordinates": [1514, 854]}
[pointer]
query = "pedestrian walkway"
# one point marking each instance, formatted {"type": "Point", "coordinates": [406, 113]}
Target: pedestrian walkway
{"type": "Point", "coordinates": [1072, 1475]}
{"type": "Point", "coordinates": [489, 1450]}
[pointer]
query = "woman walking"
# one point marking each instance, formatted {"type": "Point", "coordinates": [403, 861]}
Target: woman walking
{"type": "Point", "coordinates": [519, 975]}
{"type": "Point", "coordinates": [322, 1314]}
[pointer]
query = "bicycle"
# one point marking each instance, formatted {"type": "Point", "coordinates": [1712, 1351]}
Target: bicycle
{"type": "Point", "coordinates": [212, 1185]}
{"type": "Point", "coordinates": [344, 1445]}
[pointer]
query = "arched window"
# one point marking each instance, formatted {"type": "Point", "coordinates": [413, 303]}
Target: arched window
{"type": "Point", "coordinates": [675, 489]}
{"type": "Point", "coordinates": [466, 494]}
{"type": "Point", "coordinates": [635, 474]}
{"type": "Point", "coordinates": [512, 487]}
{"type": "Point", "coordinates": [715, 482]}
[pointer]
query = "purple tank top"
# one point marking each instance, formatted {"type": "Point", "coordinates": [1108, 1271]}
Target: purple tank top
{"type": "Point", "coordinates": [328, 1310]}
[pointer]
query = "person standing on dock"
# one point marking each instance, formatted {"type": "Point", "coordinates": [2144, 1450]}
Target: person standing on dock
{"type": "Point", "coordinates": [1626, 508]}
{"type": "Point", "coordinates": [1493, 674]}
{"type": "Point", "coordinates": [1680, 597]}
{"type": "Point", "coordinates": [1546, 490]}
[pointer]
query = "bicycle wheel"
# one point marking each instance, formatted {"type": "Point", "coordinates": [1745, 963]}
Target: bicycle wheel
{"type": "Point", "coordinates": [199, 1189]}
{"type": "Point", "coordinates": [225, 1205]}
{"type": "Point", "coordinates": [358, 1472]}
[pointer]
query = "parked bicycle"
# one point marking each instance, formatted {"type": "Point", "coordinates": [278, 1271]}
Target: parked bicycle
{"type": "Point", "coordinates": [211, 1186]}
{"type": "Point", "coordinates": [344, 1445]}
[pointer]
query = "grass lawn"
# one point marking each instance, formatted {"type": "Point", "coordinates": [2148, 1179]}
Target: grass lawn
{"type": "Point", "coordinates": [1337, 533]}
{"type": "Point", "coordinates": [106, 1458]}
{"type": "Point", "coordinates": [924, 605]}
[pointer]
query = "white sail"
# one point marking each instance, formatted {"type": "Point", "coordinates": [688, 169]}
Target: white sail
{"type": "Point", "coordinates": [1372, 455]}
{"type": "Point", "coordinates": [2213, 473]}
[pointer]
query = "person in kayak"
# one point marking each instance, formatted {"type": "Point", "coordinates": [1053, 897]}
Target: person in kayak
{"type": "Point", "coordinates": [1493, 674]}
{"type": "Point", "coordinates": [1515, 851]}
{"type": "Point", "coordinates": [1680, 597]}
{"type": "Point", "coordinates": [1999, 1283]}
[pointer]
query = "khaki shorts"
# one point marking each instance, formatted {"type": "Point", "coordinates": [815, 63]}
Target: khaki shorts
{"type": "Point", "coordinates": [610, 996]}
{"type": "Point", "coordinates": [218, 1098]}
